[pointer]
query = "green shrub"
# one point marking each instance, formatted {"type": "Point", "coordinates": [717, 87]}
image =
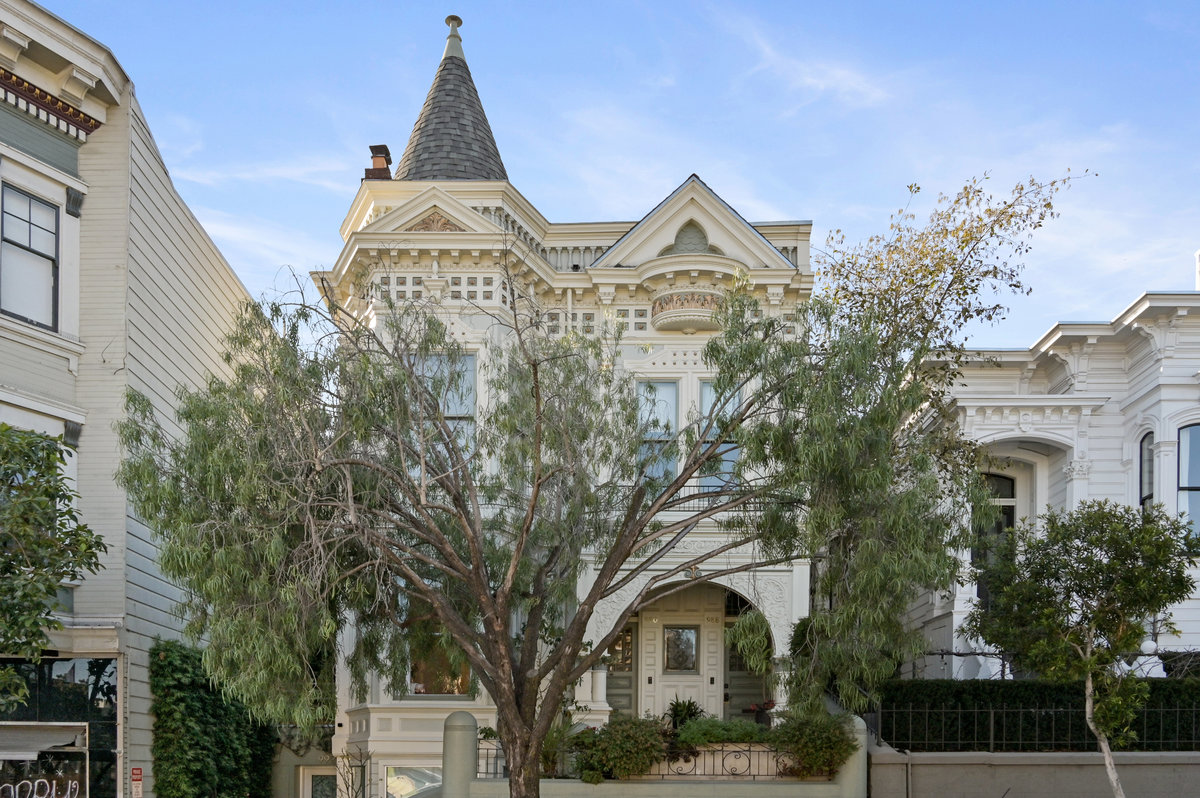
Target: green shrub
{"type": "Point", "coordinates": [702, 731]}
{"type": "Point", "coordinates": [627, 746]}
{"type": "Point", "coordinates": [203, 746]}
{"type": "Point", "coordinates": [679, 712]}
{"type": "Point", "coordinates": [813, 745]}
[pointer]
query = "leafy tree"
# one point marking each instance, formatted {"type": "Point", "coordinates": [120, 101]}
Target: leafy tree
{"type": "Point", "coordinates": [899, 474]}
{"type": "Point", "coordinates": [42, 544]}
{"type": "Point", "coordinates": [1072, 598]}
{"type": "Point", "coordinates": [347, 477]}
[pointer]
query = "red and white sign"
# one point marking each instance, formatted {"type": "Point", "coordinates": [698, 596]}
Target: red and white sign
{"type": "Point", "coordinates": [135, 774]}
{"type": "Point", "coordinates": [135, 781]}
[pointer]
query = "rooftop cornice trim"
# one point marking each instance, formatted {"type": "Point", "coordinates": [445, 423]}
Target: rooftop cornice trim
{"type": "Point", "coordinates": [44, 106]}
{"type": "Point", "coordinates": [1083, 400]}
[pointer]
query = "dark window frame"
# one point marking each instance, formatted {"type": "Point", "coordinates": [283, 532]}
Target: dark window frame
{"type": "Point", "coordinates": [1146, 470]}
{"type": "Point", "coordinates": [54, 259]}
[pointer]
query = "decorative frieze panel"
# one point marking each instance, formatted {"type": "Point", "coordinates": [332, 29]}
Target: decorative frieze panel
{"type": "Point", "coordinates": [687, 310]}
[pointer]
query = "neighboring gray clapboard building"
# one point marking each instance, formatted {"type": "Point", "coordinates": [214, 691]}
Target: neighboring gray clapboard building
{"type": "Point", "coordinates": [107, 282]}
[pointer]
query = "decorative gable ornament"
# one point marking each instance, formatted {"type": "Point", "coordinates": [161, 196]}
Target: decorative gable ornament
{"type": "Point", "coordinates": [435, 223]}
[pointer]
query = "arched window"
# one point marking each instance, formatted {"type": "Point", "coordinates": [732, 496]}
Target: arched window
{"type": "Point", "coordinates": [1146, 470]}
{"type": "Point", "coordinates": [1189, 472]}
{"type": "Point", "coordinates": [1004, 497]}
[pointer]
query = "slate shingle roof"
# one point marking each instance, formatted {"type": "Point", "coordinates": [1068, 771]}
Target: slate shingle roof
{"type": "Point", "coordinates": [452, 139]}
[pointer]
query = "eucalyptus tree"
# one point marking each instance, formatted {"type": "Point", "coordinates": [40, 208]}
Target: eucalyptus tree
{"type": "Point", "coordinates": [349, 475]}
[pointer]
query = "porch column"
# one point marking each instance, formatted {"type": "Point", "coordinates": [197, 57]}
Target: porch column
{"type": "Point", "coordinates": [583, 689]}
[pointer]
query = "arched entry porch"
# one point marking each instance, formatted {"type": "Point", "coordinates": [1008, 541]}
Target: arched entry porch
{"type": "Point", "coordinates": [675, 648]}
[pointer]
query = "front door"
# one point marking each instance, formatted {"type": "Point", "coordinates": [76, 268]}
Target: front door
{"type": "Point", "coordinates": [681, 655]}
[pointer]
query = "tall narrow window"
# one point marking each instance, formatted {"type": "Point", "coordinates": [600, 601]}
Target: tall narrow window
{"type": "Point", "coordinates": [459, 404]}
{"type": "Point", "coordinates": [1146, 470]}
{"type": "Point", "coordinates": [29, 259]}
{"type": "Point", "coordinates": [1189, 472]}
{"type": "Point", "coordinates": [723, 475]}
{"type": "Point", "coordinates": [660, 407]}
{"type": "Point", "coordinates": [1004, 497]}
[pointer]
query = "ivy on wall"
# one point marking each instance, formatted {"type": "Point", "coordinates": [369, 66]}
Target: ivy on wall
{"type": "Point", "coordinates": [205, 746]}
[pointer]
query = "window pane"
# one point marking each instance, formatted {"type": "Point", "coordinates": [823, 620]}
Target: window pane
{"type": "Point", "coordinates": [323, 785]}
{"type": "Point", "coordinates": [724, 473]}
{"type": "Point", "coordinates": [708, 397]}
{"type": "Point", "coordinates": [43, 215]}
{"type": "Point", "coordinates": [659, 465]}
{"type": "Point", "coordinates": [461, 400]}
{"type": "Point", "coordinates": [1189, 461]}
{"type": "Point", "coordinates": [1189, 502]}
{"type": "Point", "coordinates": [680, 648]}
{"type": "Point", "coordinates": [660, 403]}
{"type": "Point", "coordinates": [1147, 468]}
{"type": "Point", "coordinates": [433, 675]}
{"type": "Point", "coordinates": [27, 284]}
{"type": "Point", "coordinates": [620, 653]}
{"type": "Point", "coordinates": [1001, 487]}
{"type": "Point", "coordinates": [16, 230]}
{"type": "Point", "coordinates": [42, 241]}
{"type": "Point", "coordinates": [16, 203]}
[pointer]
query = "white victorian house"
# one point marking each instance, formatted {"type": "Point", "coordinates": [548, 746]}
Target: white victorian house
{"type": "Point", "coordinates": [1096, 410]}
{"type": "Point", "coordinates": [447, 225]}
{"type": "Point", "coordinates": [1093, 410]}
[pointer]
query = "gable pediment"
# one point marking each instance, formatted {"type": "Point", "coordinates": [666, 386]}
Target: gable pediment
{"type": "Point", "coordinates": [693, 220]}
{"type": "Point", "coordinates": [431, 211]}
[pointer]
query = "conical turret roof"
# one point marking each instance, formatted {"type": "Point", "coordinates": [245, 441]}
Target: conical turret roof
{"type": "Point", "coordinates": [452, 139]}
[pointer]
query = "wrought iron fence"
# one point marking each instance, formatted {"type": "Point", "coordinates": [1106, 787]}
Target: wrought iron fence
{"type": "Point", "coordinates": [748, 761]}
{"type": "Point", "coordinates": [1000, 729]}
{"type": "Point", "coordinates": [492, 764]}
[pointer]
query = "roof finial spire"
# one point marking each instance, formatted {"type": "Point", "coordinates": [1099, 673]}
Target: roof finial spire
{"type": "Point", "coordinates": [454, 40]}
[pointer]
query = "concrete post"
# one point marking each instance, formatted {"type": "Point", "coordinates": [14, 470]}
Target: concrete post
{"type": "Point", "coordinates": [600, 684]}
{"type": "Point", "coordinates": [852, 778]}
{"type": "Point", "coordinates": [460, 754]}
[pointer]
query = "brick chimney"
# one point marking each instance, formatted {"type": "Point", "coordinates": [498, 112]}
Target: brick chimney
{"type": "Point", "coordinates": [381, 160]}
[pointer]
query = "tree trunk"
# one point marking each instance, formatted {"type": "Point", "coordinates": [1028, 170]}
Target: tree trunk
{"type": "Point", "coordinates": [524, 776]}
{"type": "Point", "coordinates": [1089, 715]}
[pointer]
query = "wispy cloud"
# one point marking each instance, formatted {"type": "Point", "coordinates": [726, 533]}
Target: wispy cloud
{"type": "Point", "coordinates": [808, 78]}
{"type": "Point", "coordinates": [326, 172]}
{"type": "Point", "coordinates": [623, 162]}
{"type": "Point", "coordinates": [265, 253]}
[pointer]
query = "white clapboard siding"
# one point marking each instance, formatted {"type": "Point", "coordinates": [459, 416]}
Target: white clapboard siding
{"type": "Point", "coordinates": [181, 301]}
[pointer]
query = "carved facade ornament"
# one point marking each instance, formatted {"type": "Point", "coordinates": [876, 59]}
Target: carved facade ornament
{"type": "Point", "coordinates": [436, 223]}
{"type": "Point", "coordinates": [1077, 469]}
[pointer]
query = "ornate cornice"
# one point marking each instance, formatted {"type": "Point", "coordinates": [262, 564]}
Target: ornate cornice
{"type": "Point", "coordinates": [37, 102]}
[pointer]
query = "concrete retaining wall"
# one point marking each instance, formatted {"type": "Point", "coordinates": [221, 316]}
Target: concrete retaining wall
{"type": "Point", "coordinates": [967, 775]}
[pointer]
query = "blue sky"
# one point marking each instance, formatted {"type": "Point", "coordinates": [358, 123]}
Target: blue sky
{"type": "Point", "coordinates": [822, 111]}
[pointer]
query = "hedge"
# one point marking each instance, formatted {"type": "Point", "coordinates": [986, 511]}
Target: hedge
{"type": "Point", "coordinates": [204, 746]}
{"type": "Point", "coordinates": [1026, 715]}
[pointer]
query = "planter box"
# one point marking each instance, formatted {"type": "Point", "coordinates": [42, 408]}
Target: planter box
{"type": "Point", "coordinates": [728, 762]}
